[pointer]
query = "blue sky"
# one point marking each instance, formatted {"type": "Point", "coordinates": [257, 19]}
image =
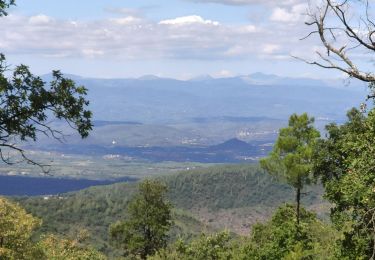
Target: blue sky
{"type": "Point", "coordinates": [156, 10]}
{"type": "Point", "coordinates": [175, 38]}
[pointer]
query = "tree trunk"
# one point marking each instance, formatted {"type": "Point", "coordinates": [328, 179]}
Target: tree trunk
{"type": "Point", "coordinates": [298, 200]}
{"type": "Point", "coordinates": [147, 251]}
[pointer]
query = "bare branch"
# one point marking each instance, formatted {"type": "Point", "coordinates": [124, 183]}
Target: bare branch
{"type": "Point", "coordinates": [338, 55]}
{"type": "Point", "coordinates": [45, 167]}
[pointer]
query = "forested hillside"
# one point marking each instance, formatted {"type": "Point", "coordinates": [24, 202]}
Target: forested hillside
{"type": "Point", "coordinates": [243, 194]}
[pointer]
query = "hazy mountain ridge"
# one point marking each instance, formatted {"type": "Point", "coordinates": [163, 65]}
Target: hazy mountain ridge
{"type": "Point", "coordinates": [162, 119]}
{"type": "Point", "coordinates": [160, 100]}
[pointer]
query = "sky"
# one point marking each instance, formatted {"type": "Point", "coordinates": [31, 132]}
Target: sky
{"type": "Point", "coordinates": [168, 38]}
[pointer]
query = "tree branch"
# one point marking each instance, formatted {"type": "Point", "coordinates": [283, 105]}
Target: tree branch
{"type": "Point", "coordinates": [344, 62]}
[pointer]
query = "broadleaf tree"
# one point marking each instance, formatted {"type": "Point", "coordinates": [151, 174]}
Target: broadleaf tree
{"type": "Point", "coordinates": [16, 230]}
{"type": "Point", "coordinates": [344, 161]}
{"type": "Point", "coordinates": [67, 249]}
{"type": "Point", "coordinates": [290, 159]}
{"type": "Point", "coordinates": [276, 239]}
{"type": "Point", "coordinates": [28, 105]}
{"type": "Point", "coordinates": [18, 235]}
{"type": "Point", "coordinates": [205, 247]}
{"type": "Point", "coordinates": [4, 5]}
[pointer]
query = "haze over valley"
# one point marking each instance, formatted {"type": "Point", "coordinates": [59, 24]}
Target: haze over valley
{"type": "Point", "coordinates": [146, 123]}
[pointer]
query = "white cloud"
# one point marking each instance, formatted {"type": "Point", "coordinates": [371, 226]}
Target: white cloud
{"type": "Point", "coordinates": [132, 37]}
{"type": "Point", "coordinates": [271, 48]}
{"type": "Point", "coordinates": [249, 29]}
{"type": "Point", "coordinates": [192, 19]}
{"type": "Point", "coordinates": [40, 19]}
{"type": "Point", "coordinates": [282, 15]}
{"type": "Point", "coordinates": [92, 53]}
{"type": "Point", "coordinates": [289, 15]}
{"type": "Point", "coordinates": [300, 9]}
{"type": "Point", "coordinates": [126, 20]}
{"type": "Point", "coordinates": [236, 50]}
{"type": "Point", "coordinates": [223, 74]}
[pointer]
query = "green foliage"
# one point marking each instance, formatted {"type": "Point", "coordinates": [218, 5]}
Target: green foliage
{"type": "Point", "coordinates": [345, 163]}
{"type": "Point", "coordinates": [280, 239]}
{"type": "Point", "coordinates": [16, 229]}
{"type": "Point", "coordinates": [217, 246]}
{"type": "Point", "coordinates": [229, 186]}
{"type": "Point", "coordinates": [145, 230]}
{"type": "Point", "coordinates": [215, 189]}
{"type": "Point", "coordinates": [5, 4]}
{"type": "Point", "coordinates": [186, 226]}
{"type": "Point", "coordinates": [207, 247]}
{"type": "Point", "coordinates": [276, 239]}
{"type": "Point", "coordinates": [27, 104]}
{"type": "Point", "coordinates": [93, 209]}
{"type": "Point", "coordinates": [56, 248]}
{"type": "Point", "coordinates": [291, 157]}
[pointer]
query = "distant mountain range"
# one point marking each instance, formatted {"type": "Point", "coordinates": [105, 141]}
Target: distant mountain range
{"type": "Point", "coordinates": [204, 111]}
{"type": "Point", "coordinates": [151, 99]}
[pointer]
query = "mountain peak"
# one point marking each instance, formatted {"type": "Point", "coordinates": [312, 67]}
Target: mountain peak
{"type": "Point", "coordinates": [148, 77]}
{"type": "Point", "coordinates": [233, 144]}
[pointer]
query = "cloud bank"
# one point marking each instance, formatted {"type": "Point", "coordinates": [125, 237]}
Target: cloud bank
{"type": "Point", "coordinates": [134, 37]}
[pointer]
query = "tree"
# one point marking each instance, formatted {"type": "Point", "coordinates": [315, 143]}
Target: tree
{"type": "Point", "coordinates": [145, 230]}
{"type": "Point", "coordinates": [290, 158]}
{"type": "Point", "coordinates": [344, 161]}
{"type": "Point", "coordinates": [345, 29]}
{"type": "Point", "coordinates": [27, 105]}
{"type": "Point", "coordinates": [66, 249]}
{"type": "Point", "coordinates": [206, 247]}
{"type": "Point", "coordinates": [5, 4]}
{"type": "Point", "coordinates": [271, 240]}
{"type": "Point", "coordinates": [16, 229]}
{"type": "Point", "coordinates": [275, 239]}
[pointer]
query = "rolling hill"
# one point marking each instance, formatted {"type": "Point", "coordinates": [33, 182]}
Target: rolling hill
{"type": "Point", "coordinates": [233, 197]}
